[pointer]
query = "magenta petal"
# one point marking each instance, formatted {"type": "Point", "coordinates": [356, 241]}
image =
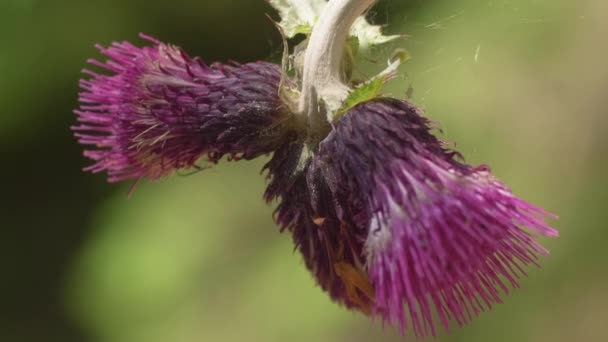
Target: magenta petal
{"type": "Point", "coordinates": [444, 238]}
{"type": "Point", "coordinates": [156, 110]}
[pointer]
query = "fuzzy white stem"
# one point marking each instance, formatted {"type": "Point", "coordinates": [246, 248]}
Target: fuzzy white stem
{"type": "Point", "coordinates": [322, 75]}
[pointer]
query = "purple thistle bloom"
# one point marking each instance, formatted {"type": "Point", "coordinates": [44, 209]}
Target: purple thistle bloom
{"type": "Point", "coordinates": [391, 223]}
{"type": "Point", "coordinates": [160, 110]}
{"type": "Point", "coordinates": [331, 244]}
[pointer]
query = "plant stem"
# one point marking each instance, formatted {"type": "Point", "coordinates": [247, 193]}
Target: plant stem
{"type": "Point", "coordinates": [322, 75]}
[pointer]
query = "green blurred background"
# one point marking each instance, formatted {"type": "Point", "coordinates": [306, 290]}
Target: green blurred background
{"type": "Point", "coordinates": [519, 84]}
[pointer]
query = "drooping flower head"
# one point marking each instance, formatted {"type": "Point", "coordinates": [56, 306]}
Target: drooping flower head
{"type": "Point", "coordinates": [330, 240]}
{"type": "Point", "coordinates": [158, 110]}
{"type": "Point", "coordinates": [422, 235]}
{"type": "Point", "coordinates": [388, 220]}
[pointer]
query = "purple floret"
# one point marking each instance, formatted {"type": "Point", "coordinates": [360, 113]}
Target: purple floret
{"type": "Point", "coordinates": [157, 110]}
{"type": "Point", "coordinates": [443, 237]}
{"type": "Point", "coordinates": [330, 244]}
{"type": "Point", "coordinates": [389, 220]}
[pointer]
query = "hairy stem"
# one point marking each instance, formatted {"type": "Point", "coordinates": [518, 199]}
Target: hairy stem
{"type": "Point", "coordinates": [322, 75]}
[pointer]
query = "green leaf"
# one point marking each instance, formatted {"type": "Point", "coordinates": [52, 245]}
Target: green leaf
{"type": "Point", "coordinates": [373, 87]}
{"type": "Point", "coordinates": [363, 93]}
{"type": "Point", "coordinates": [300, 16]}
{"type": "Point", "coordinates": [370, 35]}
{"type": "Point", "coordinates": [304, 29]}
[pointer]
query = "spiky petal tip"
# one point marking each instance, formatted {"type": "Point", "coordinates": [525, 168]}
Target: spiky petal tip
{"type": "Point", "coordinates": [157, 110]}
{"type": "Point", "coordinates": [443, 237]}
{"type": "Point", "coordinates": [392, 223]}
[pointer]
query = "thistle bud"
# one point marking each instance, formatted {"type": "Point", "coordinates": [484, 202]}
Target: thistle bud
{"type": "Point", "coordinates": [442, 236]}
{"type": "Point", "coordinates": [157, 110]}
{"type": "Point", "coordinates": [391, 222]}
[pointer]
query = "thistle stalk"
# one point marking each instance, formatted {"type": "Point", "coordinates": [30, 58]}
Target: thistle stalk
{"type": "Point", "coordinates": [324, 86]}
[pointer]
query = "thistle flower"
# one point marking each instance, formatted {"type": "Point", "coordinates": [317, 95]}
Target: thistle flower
{"type": "Point", "coordinates": [329, 240]}
{"type": "Point", "coordinates": [388, 220]}
{"type": "Point", "coordinates": [160, 110]}
{"type": "Point", "coordinates": [391, 223]}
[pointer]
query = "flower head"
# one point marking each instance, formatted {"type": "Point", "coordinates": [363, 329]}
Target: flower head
{"type": "Point", "coordinates": [159, 110]}
{"type": "Point", "coordinates": [391, 222]}
{"type": "Point", "coordinates": [330, 240]}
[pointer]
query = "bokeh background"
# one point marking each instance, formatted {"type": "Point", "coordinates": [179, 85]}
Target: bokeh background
{"type": "Point", "coordinates": [519, 84]}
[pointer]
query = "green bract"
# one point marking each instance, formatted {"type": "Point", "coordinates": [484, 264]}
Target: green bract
{"type": "Point", "coordinates": [299, 16]}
